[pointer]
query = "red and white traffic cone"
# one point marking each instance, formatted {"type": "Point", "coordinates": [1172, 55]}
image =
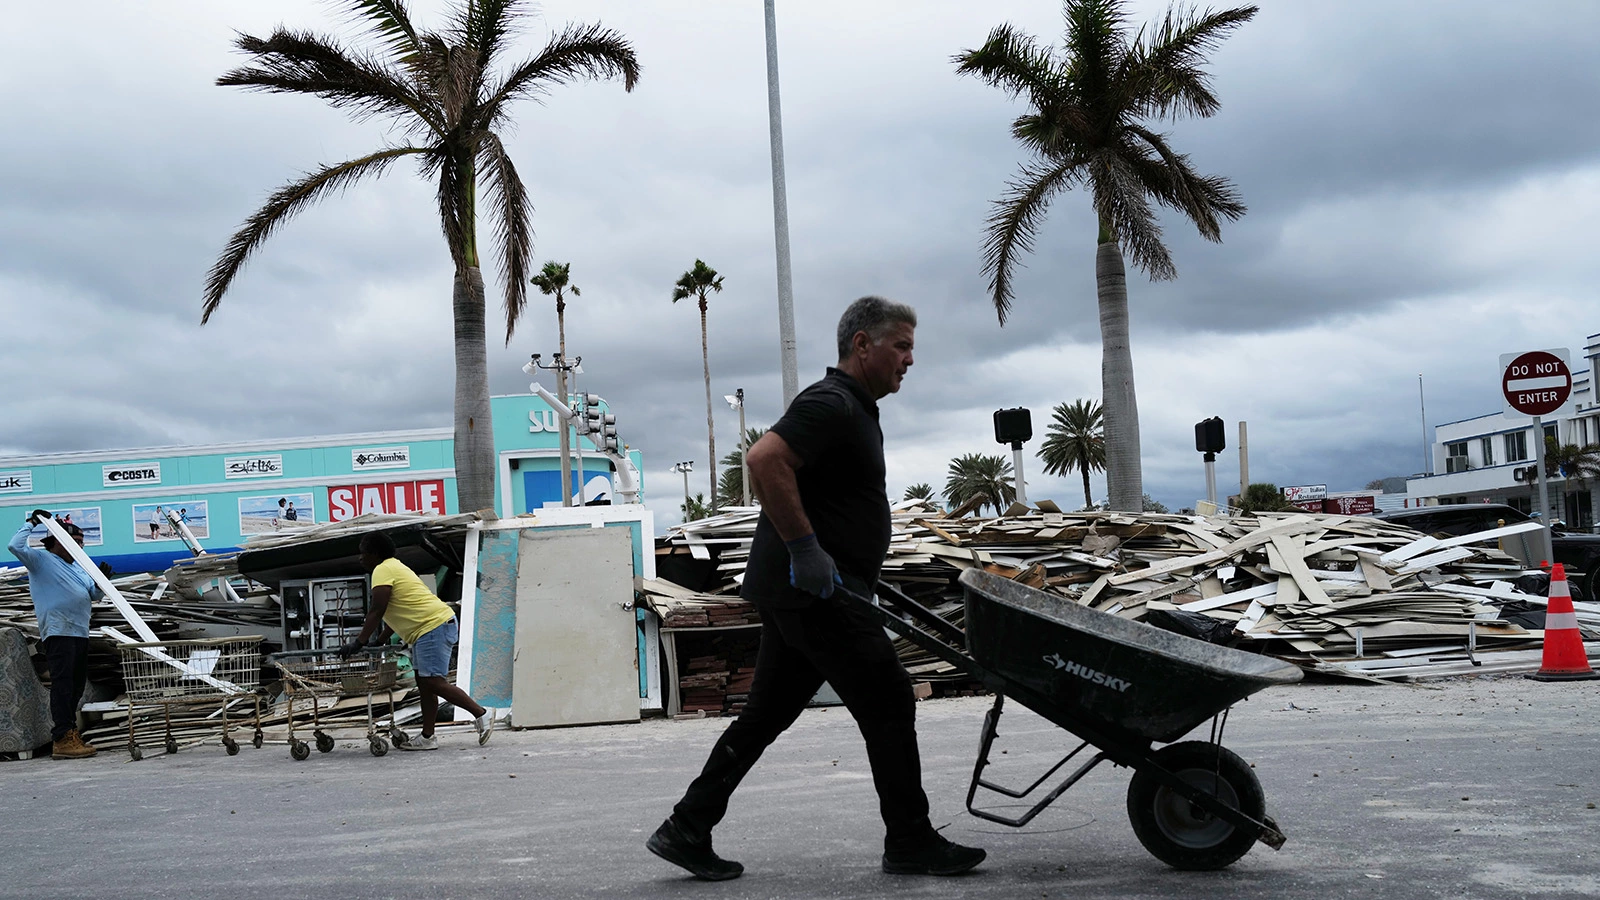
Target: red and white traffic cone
{"type": "Point", "coordinates": [1564, 659]}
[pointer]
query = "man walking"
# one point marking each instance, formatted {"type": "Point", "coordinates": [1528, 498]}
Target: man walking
{"type": "Point", "coordinates": [62, 593]}
{"type": "Point", "coordinates": [819, 473]}
{"type": "Point", "coordinates": [405, 606]}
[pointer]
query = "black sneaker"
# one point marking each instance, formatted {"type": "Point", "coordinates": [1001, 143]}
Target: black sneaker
{"type": "Point", "coordinates": [937, 856]}
{"type": "Point", "coordinates": [671, 844]}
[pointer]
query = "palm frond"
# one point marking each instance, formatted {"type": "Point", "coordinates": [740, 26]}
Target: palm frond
{"type": "Point", "coordinates": [453, 203]}
{"type": "Point", "coordinates": [1015, 221]}
{"type": "Point", "coordinates": [1095, 47]}
{"type": "Point", "coordinates": [510, 202]}
{"type": "Point", "coordinates": [458, 90]}
{"type": "Point", "coordinates": [1167, 74]}
{"type": "Point", "coordinates": [1175, 183]}
{"type": "Point", "coordinates": [1014, 62]}
{"type": "Point", "coordinates": [577, 52]}
{"type": "Point", "coordinates": [484, 25]}
{"type": "Point", "coordinates": [390, 22]}
{"type": "Point", "coordinates": [280, 206]}
{"type": "Point", "coordinates": [304, 63]}
{"type": "Point", "coordinates": [1123, 205]}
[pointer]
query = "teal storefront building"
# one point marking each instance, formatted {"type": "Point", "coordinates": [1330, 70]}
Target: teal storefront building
{"type": "Point", "coordinates": [228, 492]}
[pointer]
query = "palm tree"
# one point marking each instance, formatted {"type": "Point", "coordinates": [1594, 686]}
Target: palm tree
{"type": "Point", "coordinates": [1077, 440]}
{"type": "Point", "coordinates": [731, 483]}
{"type": "Point", "coordinates": [697, 282]}
{"type": "Point", "coordinates": [446, 92]}
{"type": "Point", "coordinates": [1086, 128]}
{"type": "Point", "coordinates": [919, 491]}
{"type": "Point", "coordinates": [975, 475]}
{"type": "Point", "coordinates": [555, 279]}
{"type": "Point", "coordinates": [695, 509]}
{"type": "Point", "coordinates": [1571, 463]}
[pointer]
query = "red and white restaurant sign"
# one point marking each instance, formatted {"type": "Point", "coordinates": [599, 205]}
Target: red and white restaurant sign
{"type": "Point", "coordinates": [349, 501]}
{"type": "Point", "coordinates": [1536, 383]}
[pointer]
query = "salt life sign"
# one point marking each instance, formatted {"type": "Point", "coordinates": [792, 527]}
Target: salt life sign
{"type": "Point", "coordinates": [380, 458]}
{"type": "Point", "coordinates": [1537, 383]}
{"type": "Point", "coordinates": [125, 476]}
{"type": "Point", "coordinates": [19, 482]}
{"type": "Point", "coordinates": [252, 466]}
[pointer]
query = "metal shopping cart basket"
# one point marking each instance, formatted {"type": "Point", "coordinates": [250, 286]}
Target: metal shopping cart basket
{"type": "Point", "coordinates": [220, 671]}
{"type": "Point", "coordinates": [320, 675]}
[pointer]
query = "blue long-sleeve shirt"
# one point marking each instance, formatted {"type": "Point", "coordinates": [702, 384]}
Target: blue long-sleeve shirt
{"type": "Point", "coordinates": [61, 590]}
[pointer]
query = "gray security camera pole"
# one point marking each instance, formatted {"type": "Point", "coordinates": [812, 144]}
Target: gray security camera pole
{"type": "Point", "coordinates": [780, 217]}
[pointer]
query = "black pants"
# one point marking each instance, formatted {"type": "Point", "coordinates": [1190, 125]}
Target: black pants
{"type": "Point", "coordinates": [801, 648]}
{"type": "Point", "coordinates": [68, 658]}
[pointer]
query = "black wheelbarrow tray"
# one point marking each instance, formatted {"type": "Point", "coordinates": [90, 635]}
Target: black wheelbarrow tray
{"type": "Point", "coordinates": [1121, 687]}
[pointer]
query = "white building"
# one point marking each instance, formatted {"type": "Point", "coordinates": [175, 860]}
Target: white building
{"type": "Point", "coordinates": [1486, 459]}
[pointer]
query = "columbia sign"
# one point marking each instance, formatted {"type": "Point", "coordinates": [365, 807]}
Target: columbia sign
{"type": "Point", "coordinates": [125, 476]}
{"type": "Point", "coordinates": [1536, 383]}
{"type": "Point", "coordinates": [380, 458]}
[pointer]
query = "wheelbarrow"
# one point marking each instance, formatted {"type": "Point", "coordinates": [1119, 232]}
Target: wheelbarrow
{"type": "Point", "coordinates": [1120, 687]}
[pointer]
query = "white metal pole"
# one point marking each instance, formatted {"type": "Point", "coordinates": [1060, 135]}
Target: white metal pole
{"type": "Point", "coordinates": [1422, 404]}
{"type": "Point", "coordinates": [583, 427]}
{"type": "Point", "coordinates": [1211, 479]}
{"type": "Point", "coordinates": [744, 450]}
{"type": "Point", "coordinates": [780, 218]}
{"type": "Point", "coordinates": [566, 437]}
{"type": "Point", "coordinates": [1544, 496]}
{"type": "Point", "coordinates": [1016, 463]}
{"type": "Point", "coordinates": [1244, 461]}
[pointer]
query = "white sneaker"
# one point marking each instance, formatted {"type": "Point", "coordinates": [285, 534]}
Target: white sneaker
{"type": "Point", "coordinates": [485, 726]}
{"type": "Point", "coordinates": [418, 742]}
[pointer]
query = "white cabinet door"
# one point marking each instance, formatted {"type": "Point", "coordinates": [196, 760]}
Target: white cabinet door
{"type": "Point", "coordinates": [576, 659]}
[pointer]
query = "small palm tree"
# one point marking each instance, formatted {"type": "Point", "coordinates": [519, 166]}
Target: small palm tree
{"type": "Point", "coordinates": [1086, 129]}
{"type": "Point", "coordinates": [976, 475]}
{"type": "Point", "coordinates": [696, 508]}
{"type": "Point", "coordinates": [919, 491]}
{"type": "Point", "coordinates": [698, 282]}
{"type": "Point", "coordinates": [731, 482]}
{"type": "Point", "coordinates": [446, 91]}
{"type": "Point", "coordinates": [1573, 464]}
{"type": "Point", "coordinates": [1076, 440]}
{"type": "Point", "coordinates": [555, 279]}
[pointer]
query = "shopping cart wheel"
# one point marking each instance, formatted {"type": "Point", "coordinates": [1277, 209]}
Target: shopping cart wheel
{"type": "Point", "coordinates": [135, 752]}
{"type": "Point", "coordinates": [399, 737]}
{"type": "Point", "coordinates": [324, 743]}
{"type": "Point", "coordinates": [172, 745]}
{"type": "Point", "coordinates": [378, 746]}
{"type": "Point", "coordinates": [1180, 833]}
{"type": "Point", "coordinates": [230, 745]}
{"type": "Point", "coordinates": [258, 740]}
{"type": "Point", "coordinates": [300, 750]}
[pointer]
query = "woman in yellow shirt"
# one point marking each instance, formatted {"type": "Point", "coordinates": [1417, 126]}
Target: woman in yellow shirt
{"type": "Point", "coordinates": [403, 603]}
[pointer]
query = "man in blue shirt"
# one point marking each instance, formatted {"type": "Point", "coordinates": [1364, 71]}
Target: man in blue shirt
{"type": "Point", "coordinates": [62, 593]}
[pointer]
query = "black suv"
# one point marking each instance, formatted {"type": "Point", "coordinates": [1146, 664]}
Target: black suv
{"type": "Point", "coordinates": [1578, 552]}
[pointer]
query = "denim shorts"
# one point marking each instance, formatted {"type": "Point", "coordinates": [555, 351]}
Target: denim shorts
{"type": "Point", "coordinates": [430, 655]}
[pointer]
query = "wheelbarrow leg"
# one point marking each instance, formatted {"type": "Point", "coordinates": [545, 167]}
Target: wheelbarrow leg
{"type": "Point", "coordinates": [991, 723]}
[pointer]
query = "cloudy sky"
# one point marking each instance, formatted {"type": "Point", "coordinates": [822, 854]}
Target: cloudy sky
{"type": "Point", "coordinates": [1423, 181]}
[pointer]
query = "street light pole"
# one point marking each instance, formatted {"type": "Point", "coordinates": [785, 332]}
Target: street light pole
{"type": "Point", "coordinates": [780, 218]}
{"type": "Point", "coordinates": [736, 400]}
{"type": "Point", "coordinates": [685, 467]}
{"type": "Point", "coordinates": [561, 367]}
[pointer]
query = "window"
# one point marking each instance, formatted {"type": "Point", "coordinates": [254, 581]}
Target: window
{"type": "Point", "coordinates": [1516, 446]}
{"type": "Point", "coordinates": [1523, 505]}
{"type": "Point", "coordinates": [1455, 457]}
{"type": "Point", "coordinates": [1551, 433]}
{"type": "Point", "coordinates": [1488, 451]}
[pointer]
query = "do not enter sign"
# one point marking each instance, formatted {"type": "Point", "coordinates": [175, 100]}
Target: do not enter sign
{"type": "Point", "coordinates": [1536, 383]}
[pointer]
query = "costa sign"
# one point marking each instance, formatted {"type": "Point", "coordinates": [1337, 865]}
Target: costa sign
{"type": "Point", "coordinates": [1536, 383]}
{"type": "Point", "coordinates": [349, 501]}
{"type": "Point", "coordinates": [123, 476]}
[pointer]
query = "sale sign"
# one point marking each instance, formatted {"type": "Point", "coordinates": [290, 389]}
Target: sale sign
{"type": "Point", "coordinates": [349, 501]}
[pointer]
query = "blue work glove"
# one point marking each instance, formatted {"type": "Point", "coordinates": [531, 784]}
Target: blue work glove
{"type": "Point", "coordinates": [811, 569]}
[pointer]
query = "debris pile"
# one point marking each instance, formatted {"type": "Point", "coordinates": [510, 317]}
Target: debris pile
{"type": "Point", "coordinates": [1347, 595]}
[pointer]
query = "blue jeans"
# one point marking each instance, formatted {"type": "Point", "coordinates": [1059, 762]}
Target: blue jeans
{"type": "Point", "coordinates": [430, 655]}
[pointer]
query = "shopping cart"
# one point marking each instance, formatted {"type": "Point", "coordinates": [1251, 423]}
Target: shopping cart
{"type": "Point", "coordinates": [321, 675]}
{"type": "Point", "coordinates": [223, 671]}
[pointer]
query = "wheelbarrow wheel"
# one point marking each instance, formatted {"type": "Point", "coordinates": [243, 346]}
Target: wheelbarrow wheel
{"type": "Point", "coordinates": [1180, 833]}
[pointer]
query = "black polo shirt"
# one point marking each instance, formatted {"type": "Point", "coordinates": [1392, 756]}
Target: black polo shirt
{"type": "Point", "coordinates": [833, 427]}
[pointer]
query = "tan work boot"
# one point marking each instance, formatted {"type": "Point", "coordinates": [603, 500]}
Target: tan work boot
{"type": "Point", "coordinates": [71, 746]}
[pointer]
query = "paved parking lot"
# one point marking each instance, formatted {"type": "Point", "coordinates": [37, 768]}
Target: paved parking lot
{"type": "Point", "coordinates": [1479, 788]}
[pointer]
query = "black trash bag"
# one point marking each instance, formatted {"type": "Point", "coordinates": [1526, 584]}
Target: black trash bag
{"type": "Point", "coordinates": [1192, 624]}
{"type": "Point", "coordinates": [1535, 583]}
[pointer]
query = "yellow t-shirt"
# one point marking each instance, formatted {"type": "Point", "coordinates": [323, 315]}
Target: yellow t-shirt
{"type": "Point", "coordinates": [413, 610]}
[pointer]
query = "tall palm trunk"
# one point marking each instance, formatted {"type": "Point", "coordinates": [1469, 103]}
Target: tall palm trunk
{"type": "Point", "coordinates": [1088, 501]}
{"type": "Point", "coordinates": [561, 391]}
{"type": "Point", "coordinates": [474, 449]}
{"type": "Point", "coordinates": [1124, 475]}
{"type": "Point", "coordinates": [711, 432]}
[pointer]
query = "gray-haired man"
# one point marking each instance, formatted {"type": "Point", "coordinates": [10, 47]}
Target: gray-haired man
{"type": "Point", "coordinates": [824, 522]}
